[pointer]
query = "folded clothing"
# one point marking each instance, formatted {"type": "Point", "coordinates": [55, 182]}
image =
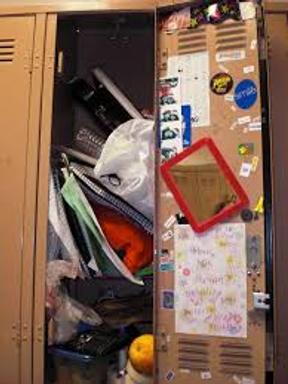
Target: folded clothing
{"type": "Point", "coordinates": [125, 238]}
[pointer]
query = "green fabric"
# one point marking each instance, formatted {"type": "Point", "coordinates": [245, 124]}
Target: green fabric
{"type": "Point", "coordinates": [147, 271]}
{"type": "Point", "coordinates": [105, 257]}
{"type": "Point", "coordinates": [73, 195]}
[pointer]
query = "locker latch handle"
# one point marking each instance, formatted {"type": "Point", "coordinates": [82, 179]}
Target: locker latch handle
{"type": "Point", "coordinates": [261, 300]}
{"type": "Point", "coordinates": [162, 341]}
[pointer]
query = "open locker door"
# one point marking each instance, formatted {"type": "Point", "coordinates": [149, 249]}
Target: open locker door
{"type": "Point", "coordinates": [210, 316]}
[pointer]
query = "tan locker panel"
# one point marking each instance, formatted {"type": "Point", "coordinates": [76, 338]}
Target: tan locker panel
{"type": "Point", "coordinates": [16, 44]}
{"type": "Point", "coordinates": [184, 357]}
{"type": "Point", "coordinates": [42, 201]}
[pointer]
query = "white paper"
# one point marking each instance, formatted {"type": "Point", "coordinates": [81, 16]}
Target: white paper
{"type": "Point", "coordinates": [253, 44]}
{"type": "Point", "coordinates": [170, 221]}
{"type": "Point", "coordinates": [230, 55]}
{"type": "Point", "coordinates": [194, 73]}
{"type": "Point", "coordinates": [255, 126]}
{"type": "Point", "coordinates": [167, 195]}
{"type": "Point", "coordinates": [229, 97]}
{"type": "Point", "coordinates": [247, 380]}
{"type": "Point", "coordinates": [249, 69]}
{"type": "Point", "coordinates": [206, 375]}
{"type": "Point", "coordinates": [237, 379]}
{"type": "Point", "coordinates": [248, 10]}
{"type": "Point", "coordinates": [244, 380]}
{"type": "Point", "coordinates": [244, 120]}
{"type": "Point", "coordinates": [167, 235]}
{"type": "Point", "coordinates": [170, 116]}
{"type": "Point", "coordinates": [211, 281]}
{"type": "Point", "coordinates": [245, 170]}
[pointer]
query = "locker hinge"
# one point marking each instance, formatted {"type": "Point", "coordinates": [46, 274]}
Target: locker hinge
{"type": "Point", "coordinates": [16, 336]}
{"type": "Point", "coordinates": [161, 341]}
{"type": "Point", "coordinates": [24, 336]}
{"type": "Point", "coordinates": [37, 61]}
{"type": "Point", "coordinates": [28, 62]}
{"type": "Point", "coordinates": [50, 62]}
{"type": "Point", "coordinates": [39, 335]}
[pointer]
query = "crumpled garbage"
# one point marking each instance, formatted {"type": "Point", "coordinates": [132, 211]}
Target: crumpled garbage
{"type": "Point", "coordinates": [126, 165]}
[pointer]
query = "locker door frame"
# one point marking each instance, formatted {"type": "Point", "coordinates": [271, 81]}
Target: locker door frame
{"type": "Point", "coordinates": [30, 202]}
{"type": "Point", "coordinates": [43, 201]}
{"type": "Point", "coordinates": [269, 236]}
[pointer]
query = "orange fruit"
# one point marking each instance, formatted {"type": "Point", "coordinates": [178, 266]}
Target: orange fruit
{"type": "Point", "coordinates": [141, 354]}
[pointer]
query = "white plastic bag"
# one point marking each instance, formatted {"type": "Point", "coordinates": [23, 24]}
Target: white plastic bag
{"type": "Point", "coordinates": [126, 165]}
{"type": "Point", "coordinates": [66, 318]}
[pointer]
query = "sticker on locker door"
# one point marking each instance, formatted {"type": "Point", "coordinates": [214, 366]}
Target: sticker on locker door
{"type": "Point", "coordinates": [230, 55]}
{"type": "Point", "coordinates": [195, 80]}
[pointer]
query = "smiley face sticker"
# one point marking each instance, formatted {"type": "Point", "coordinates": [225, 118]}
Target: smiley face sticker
{"type": "Point", "coordinates": [221, 83]}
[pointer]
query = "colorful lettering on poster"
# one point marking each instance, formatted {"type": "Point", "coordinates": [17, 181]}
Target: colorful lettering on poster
{"type": "Point", "coordinates": [210, 281]}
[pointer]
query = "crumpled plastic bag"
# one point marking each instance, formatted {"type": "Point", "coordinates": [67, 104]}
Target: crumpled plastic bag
{"type": "Point", "coordinates": [126, 165]}
{"type": "Point", "coordinates": [63, 256]}
{"type": "Point", "coordinates": [56, 270]}
{"type": "Point", "coordinates": [68, 313]}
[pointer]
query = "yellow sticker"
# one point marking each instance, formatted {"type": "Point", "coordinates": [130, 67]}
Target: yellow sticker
{"type": "Point", "coordinates": [260, 205]}
{"type": "Point", "coordinates": [255, 161]}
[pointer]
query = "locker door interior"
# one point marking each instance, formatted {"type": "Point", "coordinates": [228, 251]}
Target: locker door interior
{"type": "Point", "coordinates": [16, 44]}
{"type": "Point", "coordinates": [208, 323]}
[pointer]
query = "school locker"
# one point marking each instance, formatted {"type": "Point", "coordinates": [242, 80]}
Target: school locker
{"type": "Point", "coordinates": [180, 357]}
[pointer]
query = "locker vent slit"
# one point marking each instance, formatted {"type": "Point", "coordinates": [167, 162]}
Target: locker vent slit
{"type": "Point", "coordinates": [193, 355]}
{"type": "Point", "coordinates": [7, 50]}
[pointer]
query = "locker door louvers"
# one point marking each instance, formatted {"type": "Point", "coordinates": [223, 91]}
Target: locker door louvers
{"type": "Point", "coordinates": [7, 50]}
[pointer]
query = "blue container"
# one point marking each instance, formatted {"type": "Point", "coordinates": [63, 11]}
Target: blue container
{"type": "Point", "coordinates": [75, 368]}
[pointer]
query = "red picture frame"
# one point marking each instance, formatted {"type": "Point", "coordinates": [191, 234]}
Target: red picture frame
{"type": "Point", "coordinates": [241, 202]}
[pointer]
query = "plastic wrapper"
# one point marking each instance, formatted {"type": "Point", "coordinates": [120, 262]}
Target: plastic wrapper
{"type": "Point", "coordinates": [126, 164]}
{"type": "Point", "coordinates": [67, 315]}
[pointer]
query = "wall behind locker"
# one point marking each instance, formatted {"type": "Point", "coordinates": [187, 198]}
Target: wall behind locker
{"type": "Point", "coordinates": [277, 30]}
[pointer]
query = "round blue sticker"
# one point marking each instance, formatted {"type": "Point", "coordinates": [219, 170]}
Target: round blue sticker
{"type": "Point", "coordinates": [245, 94]}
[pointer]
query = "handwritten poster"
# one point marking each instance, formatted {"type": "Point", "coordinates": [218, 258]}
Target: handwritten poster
{"type": "Point", "coordinates": [211, 281]}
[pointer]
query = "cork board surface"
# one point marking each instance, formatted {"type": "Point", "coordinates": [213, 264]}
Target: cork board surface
{"type": "Point", "coordinates": [220, 360]}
